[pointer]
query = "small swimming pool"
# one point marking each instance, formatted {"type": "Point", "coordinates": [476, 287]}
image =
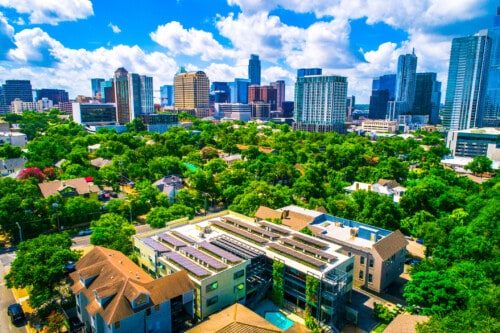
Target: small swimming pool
{"type": "Point", "coordinates": [278, 319]}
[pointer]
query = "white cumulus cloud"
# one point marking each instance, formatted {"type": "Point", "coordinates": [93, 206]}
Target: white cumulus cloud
{"type": "Point", "coordinates": [179, 40]}
{"type": "Point", "coordinates": [115, 28]}
{"type": "Point", "coordinates": [51, 11]}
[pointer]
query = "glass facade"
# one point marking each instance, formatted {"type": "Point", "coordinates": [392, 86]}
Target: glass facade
{"type": "Point", "coordinates": [491, 116]}
{"type": "Point", "coordinates": [406, 81]}
{"type": "Point", "coordinates": [254, 69]}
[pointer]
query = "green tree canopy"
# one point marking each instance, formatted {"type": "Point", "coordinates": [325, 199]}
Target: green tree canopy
{"type": "Point", "coordinates": [114, 232]}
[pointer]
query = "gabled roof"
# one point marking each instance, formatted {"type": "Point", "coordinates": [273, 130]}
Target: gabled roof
{"type": "Point", "coordinates": [235, 319]}
{"type": "Point", "coordinates": [390, 245]}
{"type": "Point", "coordinates": [79, 184]}
{"type": "Point", "coordinates": [114, 277]}
{"type": "Point", "coordinates": [100, 162]}
{"type": "Point", "coordinates": [12, 163]}
{"type": "Point", "coordinates": [267, 213]}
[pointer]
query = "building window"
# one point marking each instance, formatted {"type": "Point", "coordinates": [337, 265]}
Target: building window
{"type": "Point", "coordinates": [362, 260]}
{"type": "Point", "coordinates": [349, 267]}
{"type": "Point", "coordinates": [370, 278]}
{"type": "Point", "coordinates": [157, 307]}
{"type": "Point", "coordinates": [148, 312]}
{"type": "Point", "coordinates": [349, 254]}
{"type": "Point", "coordinates": [212, 286]}
{"type": "Point", "coordinates": [239, 287]}
{"type": "Point", "coordinates": [371, 263]}
{"type": "Point", "coordinates": [117, 325]}
{"type": "Point", "coordinates": [213, 300]}
{"type": "Point", "coordinates": [238, 274]}
{"type": "Point", "coordinates": [361, 275]}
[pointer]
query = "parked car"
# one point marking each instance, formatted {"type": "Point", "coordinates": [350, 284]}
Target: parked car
{"type": "Point", "coordinates": [420, 241]}
{"type": "Point", "coordinates": [85, 232]}
{"type": "Point", "coordinates": [15, 312]}
{"type": "Point", "coordinates": [69, 267]}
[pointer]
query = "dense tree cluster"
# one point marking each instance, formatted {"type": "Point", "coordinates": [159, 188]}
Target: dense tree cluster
{"type": "Point", "coordinates": [456, 217]}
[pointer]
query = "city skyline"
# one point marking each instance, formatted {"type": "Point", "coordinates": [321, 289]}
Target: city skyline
{"type": "Point", "coordinates": [64, 46]}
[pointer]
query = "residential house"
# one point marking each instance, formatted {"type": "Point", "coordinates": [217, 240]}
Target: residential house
{"type": "Point", "coordinates": [12, 166]}
{"type": "Point", "coordinates": [169, 185]}
{"type": "Point", "coordinates": [389, 188]}
{"type": "Point", "coordinates": [114, 295]}
{"type": "Point", "coordinates": [100, 162]}
{"type": "Point", "coordinates": [235, 318]}
{"type": "Point", "coordinates": [69, 188]}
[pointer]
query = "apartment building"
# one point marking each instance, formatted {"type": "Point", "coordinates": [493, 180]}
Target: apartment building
{"type": "Point", "coordinates": [234, 258]}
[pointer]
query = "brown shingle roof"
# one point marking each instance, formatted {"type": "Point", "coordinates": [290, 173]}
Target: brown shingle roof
{"type": "Point", "coordinates": [100, 162]}
{"type": "Point", "coordinates": [267, 213]}
{"type": "Point", "coordinates": [405, 323]}
{"type": "Point", "coordinates": [390, 245]}
{"type": "Point", "coordinates": [296, 221]}
{"type": "Point", "coordinates": [117, 277]}
{"type": "Point", "coordinates": [79, 184]}
{"type": "Point", "coordinates": [235, 319]}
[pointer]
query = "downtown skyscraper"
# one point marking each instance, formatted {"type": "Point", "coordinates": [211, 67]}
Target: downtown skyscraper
{"type": "Point", "coordinates": [320, 103]}
{"type": "Point", "coordinates": [491, 114]}
{"type": "Point", "coordinates": [406, 79]}
{"type": "Point", "coordinates": [467, 81]}
{"type": "Point", "coordinates": [254, 69]}
{"type": "Point", "coordinates": [192, 92]}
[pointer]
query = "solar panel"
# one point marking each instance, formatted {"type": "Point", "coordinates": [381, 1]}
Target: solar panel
{"type": "Point", "coordinates": [231, 258]}
{"type": "Point", "coordinates": [310, 240]}
{"type": "Point", "coordinates": [275, 228]}
{"type": "Point", "coordinates": [313, 250]}
{"type": "Point", "coordinates": [245, 234]}
{"type": "Point", "coordinates": [236, 247]}
{"type": "Point", "coordinates": [171, 240]}
{"type": "Point", "coordinates": [183, 237]}
{"type": "Point", "coordinates": [187, 264]}
{"type": "Point", "coordinates": [308, 260]}
{"type": "Point", "coordinates": [203, 257]}
{"type": "Point", "coordinates": [157, 246]}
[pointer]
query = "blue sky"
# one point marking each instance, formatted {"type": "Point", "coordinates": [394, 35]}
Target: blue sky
{"type": "Point", "coordinates": [62, 44]}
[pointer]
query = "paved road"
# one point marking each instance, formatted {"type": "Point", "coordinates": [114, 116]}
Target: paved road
{"type": "Point", "coordinates": [6, 296]}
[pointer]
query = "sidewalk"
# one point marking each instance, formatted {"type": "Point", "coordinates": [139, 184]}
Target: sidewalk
{"type": "Point", "coordinates": [21, 296]}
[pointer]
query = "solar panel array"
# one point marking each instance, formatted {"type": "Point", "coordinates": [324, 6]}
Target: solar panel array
{"type": "Point", "coordinates": [275, 228]}
{"type": "Point", "coordinates": [169, 239]}
{"type": "Point", "coordinates": [155, 245]}
{"type": "Point", "coordinates": [310, 240]}
{"type": "Point", "coordinates": [236, 247]}
{"type": "Point", "coordinates": [256, 229]}
{"type": "Point", "coordinates": [308, 260]}
{"type": "Point", "coordinates": [183, 237]}
{"type": "Point", "coordinates": [231, 258]}
{"type": "Point", "coordinates": [203, 258]}
{"type": "Point", "coordinates": [313, 250]}
{"type": "Point", "coordinates": [187, 264]}
{"type": "Point", "coordinates": [246, 234]}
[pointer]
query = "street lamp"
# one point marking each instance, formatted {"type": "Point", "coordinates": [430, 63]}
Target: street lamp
{"type": "Point", "coordinates": [20, 232]}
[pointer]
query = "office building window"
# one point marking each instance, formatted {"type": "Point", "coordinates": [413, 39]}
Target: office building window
{"type": "Point", "coordinates": [212, 300]}
{"type": "Point", "coordinates": [239, 274]}
{"type": "Point", "coordinates": [117, 325]}
{"type": "Point", "coordinates": [362, 260]}
{"type": "Point", "coordinates": [361, 275]}
{"type": "Point", "coordinates": [212, 286]}
{"type": "Point", "coordinates": [370, 278]}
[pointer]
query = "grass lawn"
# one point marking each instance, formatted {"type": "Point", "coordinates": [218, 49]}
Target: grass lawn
{"type": "Point", "coordinates": [380, 328]}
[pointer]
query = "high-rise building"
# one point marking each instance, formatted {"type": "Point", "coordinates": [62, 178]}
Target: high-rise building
{"type": "Point", "coordinates": [239, 90]}
{"type": "Point", "coordinates": [219, 93]}
{"type": "Point", "coordinates": [280, 93]}
{"type": "Point", "coordinates": [427, 97]}
{"type": "Point", "coordinates": [133, 95]}
{"type": "Point", "coordinates": [350, 107]}
{"type": "Point", "coordinates": [383, 91]}
{"type": "Point", "coordinates": [95, 85]}
{"type": "Point", "coordinates": [320, 103]}
{"type": "Point", "coordinates": [267, 94]}
{"type": "Point", "coordinates": [21, 89]}
{"type": "Point", "coordinates": [254, 69]}
{"type": "Point", "coordinates": [166, 95]}
{"type": "Point", "coordinates": [406, 79]}
{"type": "Point", "coordinates": [108, 91]}
{"type": "Point", "coordinates": [55, 95]}
{"type": "Point", "coordinates": [309, 71]}
{"type": "Point", "coordinates": [467, 81]}
{"type": "Point", "coordinates": [491, 114]}
{"type": "Point", "coordinates": [191, 91]}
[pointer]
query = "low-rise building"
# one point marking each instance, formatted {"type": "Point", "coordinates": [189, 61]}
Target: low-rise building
{"type": "Point", "coordinates": [169, 185]}
{"type": "Point", "coordinates": [233, 258]}
{"type": "Point", "coordinates": [379, 125]}
{"type": "Point", "coordinates": [69, 188]}
{"type": "Point", "coordinates": [475, 142]}
{"type": "Point", "coordinates": [385, 187]}
{"type": "Point", "coordinates": [114, 295]}
{"type": "Point", "coordinates": [13, 138]}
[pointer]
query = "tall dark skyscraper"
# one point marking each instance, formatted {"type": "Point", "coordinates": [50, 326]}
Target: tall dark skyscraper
{"type": "Point", "coordinates": [491, 114]}
{"type": "Point", "coordinates": [309, 71]}
{"type": "Point", "coordinates": [280, 93]}
{"type": "Point", "coordinates": [427, 97]}
{"type": "Point", "coordinates": [239, 90]}
{"type": "Point", "coordinates": [467, 81]}
{"type": "Point", "coordinates": [254, 69]}
{"type": "Point", "coordinates": [383, 91]}
{"type": "Point", "coordinates": [406, 79]}
{"type": "Point", "coordinates": [21, 89]}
